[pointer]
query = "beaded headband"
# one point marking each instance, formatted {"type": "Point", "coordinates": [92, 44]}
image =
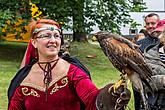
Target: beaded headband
{"type": "Point", "coordinates": [45, 28]}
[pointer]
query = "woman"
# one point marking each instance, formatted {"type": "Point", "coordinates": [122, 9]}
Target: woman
{"type": "Point", "coordinates": [50, 82]}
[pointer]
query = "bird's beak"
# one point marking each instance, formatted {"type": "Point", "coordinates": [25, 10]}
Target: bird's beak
{"type": "Point", "coordinates": [94, 38]}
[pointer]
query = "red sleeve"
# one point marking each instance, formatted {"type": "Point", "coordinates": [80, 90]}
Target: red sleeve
{"type": "Point", "coordinates": [17, 102]}
{"type": "Point", "coordinates": [86, 89]}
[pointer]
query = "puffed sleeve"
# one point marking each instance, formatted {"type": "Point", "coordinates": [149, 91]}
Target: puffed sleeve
{"type": "Point", "coordinates": [17, 101]}
{"type": "Point", "coordinates": [85, 89]}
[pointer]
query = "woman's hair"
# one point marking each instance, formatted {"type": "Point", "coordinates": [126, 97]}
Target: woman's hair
{"type": "Point", "coordinates": [39, 23]}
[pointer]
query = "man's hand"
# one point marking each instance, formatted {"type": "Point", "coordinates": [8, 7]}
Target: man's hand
{"type": "Point", "coordinates": [110, 100]}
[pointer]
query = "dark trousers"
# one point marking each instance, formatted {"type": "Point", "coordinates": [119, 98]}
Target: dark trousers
{"type": "Point", "coordinates": [137, 99]}
{"type": "Point", "coordinates": [138, 104]}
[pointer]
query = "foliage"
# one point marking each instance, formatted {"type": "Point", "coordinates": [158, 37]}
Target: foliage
{"type": "Point", "coordinates": [13, 17]}
{"type": "Point", "coordinates": [80, 15]}
{"type": "Point", "coordinates": [134, 24]}
{"type": "Point", "coordinates": [35, 12]}
{"type": "Point", "coordinates": [14, 28]}
{"type": "Point", "coordinates": [111, 14]}
{"type": "Point", "coordinates": [107, 14]}
{"type": "Point", "coordinates": [4, 16]}
{"type": "Point", "coordinates": [138, 6]}
{"type": "Point", "coordinates": [14, 23]}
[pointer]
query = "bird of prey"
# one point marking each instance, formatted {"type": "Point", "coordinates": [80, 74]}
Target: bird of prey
{"type": "Point", "coordinates": [126, 57]}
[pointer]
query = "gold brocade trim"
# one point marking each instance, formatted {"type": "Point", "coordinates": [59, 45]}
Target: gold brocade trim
{"type": "Point", "coordinates": [28, 92]}
{"type": "Point", "coordinates": [56, 87]}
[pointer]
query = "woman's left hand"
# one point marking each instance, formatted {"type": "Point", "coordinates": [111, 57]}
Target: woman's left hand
{"type": "Point", "coordinates": [108, 100]}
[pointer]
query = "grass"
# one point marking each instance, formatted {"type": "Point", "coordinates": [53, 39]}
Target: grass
{"type": "Point", "coordinates": [10, 58]}
{"type": "Point", "coordinates": [102, 72]}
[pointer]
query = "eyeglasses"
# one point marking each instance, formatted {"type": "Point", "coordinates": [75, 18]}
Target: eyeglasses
{"type": "Point", "coordinates": [49, 36]}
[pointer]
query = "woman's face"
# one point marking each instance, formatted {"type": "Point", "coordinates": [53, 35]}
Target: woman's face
{"type": "Point", "coordinates": [47, 42]}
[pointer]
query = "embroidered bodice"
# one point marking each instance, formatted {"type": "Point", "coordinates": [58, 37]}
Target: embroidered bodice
{"type": "Point", "coordinates": [72, 92]}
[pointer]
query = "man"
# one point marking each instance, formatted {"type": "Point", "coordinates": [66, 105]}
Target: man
{"type": "Point", "coordinates": [151, 21]}
{"type": "Point", "coordinates": [155, 57]}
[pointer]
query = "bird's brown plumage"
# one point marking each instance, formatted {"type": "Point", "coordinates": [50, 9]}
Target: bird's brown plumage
{"type": "Point", "coordinates": [127, 58]}
{"type": "Point", "coordinates": [124, 54]}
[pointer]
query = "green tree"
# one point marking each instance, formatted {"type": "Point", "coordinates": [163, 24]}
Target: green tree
{"type": "Point", "coordinates": [109, 15]}
{"type": "Point", "coordinates": [81, 15]}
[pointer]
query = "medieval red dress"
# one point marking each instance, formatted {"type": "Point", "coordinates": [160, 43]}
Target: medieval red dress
{"type": "Point", "coordinates": [75, 91]}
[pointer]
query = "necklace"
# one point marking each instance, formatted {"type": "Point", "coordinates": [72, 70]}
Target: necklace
{"type": "Point", "coordinates": [47, 73]}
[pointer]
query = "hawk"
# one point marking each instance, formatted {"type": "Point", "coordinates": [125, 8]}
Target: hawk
{"type": "Point", "coordinates": [127, 58]}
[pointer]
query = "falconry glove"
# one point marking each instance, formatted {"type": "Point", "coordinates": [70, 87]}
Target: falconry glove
{"type": "Point", "coordinates": [108, 99]}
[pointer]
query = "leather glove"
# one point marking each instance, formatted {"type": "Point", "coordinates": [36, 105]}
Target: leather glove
{"type": "Point", "coordinates": [107, 99]}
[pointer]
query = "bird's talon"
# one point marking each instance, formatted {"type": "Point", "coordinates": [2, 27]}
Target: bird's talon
{"type": "Point", "coordinates": [116, 86]}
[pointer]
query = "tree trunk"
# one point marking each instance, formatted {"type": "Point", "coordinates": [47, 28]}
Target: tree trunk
{"type": "Point", "coordinates": [80, 37]}
{"type": "Point", "coordinates": [79, 33]}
